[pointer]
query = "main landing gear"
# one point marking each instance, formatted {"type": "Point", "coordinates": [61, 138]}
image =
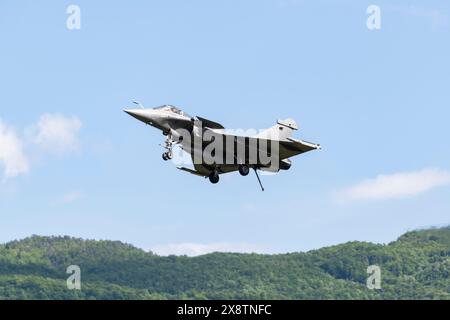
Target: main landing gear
{"type": "Point", "coordinates": [214, 177]}
{"type": "Point", "coordinates": [244, 169]}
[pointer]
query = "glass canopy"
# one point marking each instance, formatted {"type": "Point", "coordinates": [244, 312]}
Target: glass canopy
{"type": "Point", "coordinates": [173, 109]}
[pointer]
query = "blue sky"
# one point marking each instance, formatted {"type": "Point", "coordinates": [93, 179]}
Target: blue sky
{"type": "Point", "coordinates": [71, 162]}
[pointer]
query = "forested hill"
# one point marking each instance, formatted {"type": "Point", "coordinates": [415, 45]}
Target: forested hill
{"type": "Point", "coordinates": [416, 266]}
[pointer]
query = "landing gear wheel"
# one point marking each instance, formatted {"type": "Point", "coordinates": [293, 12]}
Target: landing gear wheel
{"type": "Point", "coordinates": [244, 169]}
{"type": "Point", "coordinates": [167, 156]}
{"type": "Point", "coordinates": [214, 177]}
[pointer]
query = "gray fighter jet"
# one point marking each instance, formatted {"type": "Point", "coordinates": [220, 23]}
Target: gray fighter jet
{"type": "Point", "coordinates": [215, 150]}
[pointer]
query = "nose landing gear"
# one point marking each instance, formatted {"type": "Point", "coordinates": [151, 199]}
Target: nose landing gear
{"type": "Point", "coordinates": [167, 156]}
{"type": "Point", "coordinates": [168, 146]}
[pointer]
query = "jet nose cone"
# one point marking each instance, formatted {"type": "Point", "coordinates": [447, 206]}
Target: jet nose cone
{"type": "Point", "coordinates": [131, 112]}
{"type": "Point", "coordinates": [143, 115]}
{"type": "Point", "coordinates": [139, 114]}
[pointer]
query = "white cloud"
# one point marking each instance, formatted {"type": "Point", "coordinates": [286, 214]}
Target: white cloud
{"type": "Point", "coordinates": [67, 198]}
{"type": "Point", "coordinates": [56, 133]}
{"type": "Point", "coordinates": [398, 185]}
{"type": "Point", "coordinates": [12, 156]}
{"type": "Point", "coordinates": [196, 249]}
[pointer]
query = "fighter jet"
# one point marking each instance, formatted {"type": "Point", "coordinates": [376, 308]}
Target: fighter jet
{"type": "Point", "coordinates": [215, 150]}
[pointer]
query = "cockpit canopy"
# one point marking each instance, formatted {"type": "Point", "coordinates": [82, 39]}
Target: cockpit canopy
{"type": "Point", "coordinates": [168, 107]}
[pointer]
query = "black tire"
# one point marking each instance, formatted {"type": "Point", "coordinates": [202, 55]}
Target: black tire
{"type": "Point", "coordinates": [214, 177]}
{"type": "Point", "coordinates": [164, 156]}
{"type": "Point", "coordinates": [244, 169]}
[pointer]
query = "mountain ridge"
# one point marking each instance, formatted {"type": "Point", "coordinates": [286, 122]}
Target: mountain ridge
{"type": "Point", "coordinates": [415, 266]}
